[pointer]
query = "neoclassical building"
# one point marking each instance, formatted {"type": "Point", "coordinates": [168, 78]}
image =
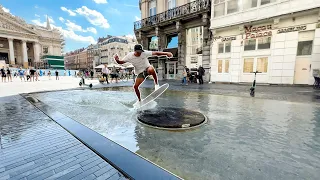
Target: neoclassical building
{"type": "Point", "coordinates": [24, 45]}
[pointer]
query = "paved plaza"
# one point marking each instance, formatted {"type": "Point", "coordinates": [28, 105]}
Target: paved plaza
{"type": "Point", "coordinates": [35, 147]}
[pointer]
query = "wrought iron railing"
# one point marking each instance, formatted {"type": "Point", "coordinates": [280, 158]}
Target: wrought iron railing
{"type": "Point", "coordinates": [190, 8]}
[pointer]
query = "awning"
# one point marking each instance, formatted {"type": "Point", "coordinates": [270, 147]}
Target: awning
{"type": "Point", "coordinates": [100, 66]}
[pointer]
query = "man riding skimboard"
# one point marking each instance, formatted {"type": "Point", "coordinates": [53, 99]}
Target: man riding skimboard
{"type": "Point", "coordinates": [142, 67]}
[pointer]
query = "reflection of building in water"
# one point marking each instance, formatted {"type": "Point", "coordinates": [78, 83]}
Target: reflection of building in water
{"type": "Point", "coordinates": [23, 44]}
{"type": "Point", "coordinates": [181, 27]}
{"type": "Point", "coordinates": [278, 38]}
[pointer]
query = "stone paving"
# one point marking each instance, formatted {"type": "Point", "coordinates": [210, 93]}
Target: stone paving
{"type": "Point", "coordinates": [32, 146]}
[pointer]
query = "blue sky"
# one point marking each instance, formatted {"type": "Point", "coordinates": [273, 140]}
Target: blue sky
{"type": "Point", "coordinates": [81, 21]}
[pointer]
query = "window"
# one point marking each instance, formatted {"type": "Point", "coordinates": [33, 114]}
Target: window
{"type": "Point", "coordinates": [304, 48]}
{"type": "Point", "coordinates": [171, 4]}
{"type": "Point", "coordinates": [223, 66]}
{"type": "Point", "coordinates": [45, 50]}
{"type": "Point", "coordinates": [224, 47]}
{"type": "Point", "coordinates": [263, 2]}
{"type": "Point", "coordinates": [247, 4]}
{"type": "Point", "coordinates": [232, 6]}
{"type": "Point", "coordinates": [264, 43]}
{"type": "Point", "coordinates": [248, 65]}
{"type": "Point", "coordinates": [228, 47]}
{"type": "Point", "coordinates": [250, 44]}
{"type": "Point", "coordinates": [219, 9]}
{"type": "Point", "coordinates": [221, 46]}
{"type": "Point", "coordinates": [262, 64]}
{"type": "Point", "coordinates": [152, 8]}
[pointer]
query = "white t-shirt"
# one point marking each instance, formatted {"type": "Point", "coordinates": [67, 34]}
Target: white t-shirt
{"type": "Point", "coordinates": [140, 63]}
{"type": "Point", "coordinates": [105, 70]}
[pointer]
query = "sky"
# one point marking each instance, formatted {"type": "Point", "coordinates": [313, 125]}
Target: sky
{"type": "Point", "coordinates": [80, 21]}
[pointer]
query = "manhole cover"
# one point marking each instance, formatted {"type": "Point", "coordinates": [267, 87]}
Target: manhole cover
{"type": "Point", "coordinates": [171, 118]}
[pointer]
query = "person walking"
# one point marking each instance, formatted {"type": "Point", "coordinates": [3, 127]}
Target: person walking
{"type": "Point", "coordinates": [57, 75]}
{"type": "Point", "coordinates": [105, 72]}
{"type": "Point", "coordinates": [201, 72]}
{"type": "Point", "coordinates": [91, 74]}
{"type": "Point", "coordinates": [32, 73]}
{"type": "Point", "coordinates": [3, 74]}
{"type": "Point", "coordinates": [27, 73]}
{"type": "Point", "coordinates": [49, 75]}
{"type": "Point", "coordinates": [185, 74]}
{"type": "Point", "coordinates": [114, 74]}
{"type": "Point", "coordinates": [9, 74]}
{"type": "Point", "coordinates": [21, 74]}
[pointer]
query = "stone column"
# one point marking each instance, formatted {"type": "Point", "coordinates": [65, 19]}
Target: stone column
{"type": "Point", "coordinates": [36, 52]}
{"type": "Point", "coordinates": [181, 48]}
{"type": "Point", "coordinates": [24, 54]}
{"type": "Point", "coordinates": [51, 50]}
{"type": "Point", "coordinates": [11, 51]}
{"type": "Point", "coordinates": [206, 45]}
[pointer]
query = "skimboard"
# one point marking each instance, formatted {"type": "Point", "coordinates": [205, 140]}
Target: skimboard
{"type": "Point", "coordinates": [154, 95]}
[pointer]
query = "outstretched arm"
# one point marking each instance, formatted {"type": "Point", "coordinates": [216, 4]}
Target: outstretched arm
{"type": "Point", "coordinates": [116, 57]}
{"type": "Point", "coordinates": [158, 53]}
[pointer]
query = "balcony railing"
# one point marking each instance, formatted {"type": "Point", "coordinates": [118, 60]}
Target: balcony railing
{"type": "Point", "coordinates": [175, 13]}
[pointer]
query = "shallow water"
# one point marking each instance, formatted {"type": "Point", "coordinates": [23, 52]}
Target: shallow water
{"type": "Point", "coordinates": [244, 138]}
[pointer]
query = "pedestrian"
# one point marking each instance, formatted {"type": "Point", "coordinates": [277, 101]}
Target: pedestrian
{"type": "Point", "coordinates": [105, 73]}
{"type": "Point", "coordinates": [32, 73]}
{"type": "Point", "coordinates": [37, 74]}
{"type": "Point", "coordinates": [27, 73]}
{"type": "Point", "coordinates": [65, 73]}
{"type": "Point", "coordinates": [114, 74]}
{"type": "Point", "coordinates": [91, 73]}
{"type": "Point", "coordinates": [184, 73]}
{"type": "Point", "coordinates": [49, 75]}
{"type": "Point", "coordinates": [201, 72]}
{"type": "Point", "coordinates": [21, 74]}
{"type": "Point", "coordinates": [9, 74]}
{"type": "Point", "coordinates": [44, 73]}
{"type": "Point", "coordinates": [3, 74]}
{"type": "Point", "coordinates": [57, 75]}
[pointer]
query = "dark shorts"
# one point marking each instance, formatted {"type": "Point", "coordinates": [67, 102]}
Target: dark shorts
{"type": "Point", "coordinates": [143, 75]}
{"type": "Point", "coordinates": [114, 75]}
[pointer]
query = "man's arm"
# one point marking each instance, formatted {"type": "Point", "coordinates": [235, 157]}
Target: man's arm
{"type": "Point", "coordinates": [158, 53]}
{"type": "Point", "coordinates": [116, 57]}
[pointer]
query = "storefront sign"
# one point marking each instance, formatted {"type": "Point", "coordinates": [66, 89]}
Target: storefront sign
{"type": "Point", "coordinates": [223, 39]}
{"type": "Point", "coordinates": [292, 29]}
{"type": "Point", "coordinates": [256, 32]}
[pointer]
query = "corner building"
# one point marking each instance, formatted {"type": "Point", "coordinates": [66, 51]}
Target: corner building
{"type": "Point", "coordinates": [279, 38]}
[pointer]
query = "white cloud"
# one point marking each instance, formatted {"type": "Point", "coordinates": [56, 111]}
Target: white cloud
{"type": "Point", "coordinates": [100, 1]}
{"type": "Point", "coordinates": [74, 27]}
{"type": "Point", "coordinates": [92, 29]}
{"type": "Point", "coordinates": [93, 16]}
{"type": "Point", "coordinates": [61, 19]}
{"type": "Point", "coordinates": [68, 34]}
{"type": "Point", "coordinates": [36, 15]}
{"type": "Point", "coordinates": [71, 13]}
{"type": "Point", "coordinates": [6, 10]}
{"type": "Point", "coordinates": [114, 11]}
{"type": "Point", "coordinates": [36, 6]}
{"type": "Point", "coordinates": [137, 18]}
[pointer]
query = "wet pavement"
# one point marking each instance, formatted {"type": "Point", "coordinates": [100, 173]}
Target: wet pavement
{"type": "Point", "coordinates": [32, 146]}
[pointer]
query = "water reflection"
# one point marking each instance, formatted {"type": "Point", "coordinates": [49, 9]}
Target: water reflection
{"type": "Point", "coordinates": [245, 138]}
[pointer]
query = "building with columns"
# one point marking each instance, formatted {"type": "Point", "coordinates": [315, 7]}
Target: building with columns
{"type": "Point", "coordinates": [278, 38]}
{"type": "Point", "coordinates": [23, 45]}
{"type": "Point", "coordinates": [188, 21]}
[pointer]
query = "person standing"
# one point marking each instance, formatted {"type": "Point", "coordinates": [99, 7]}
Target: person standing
{"type": "Point", "coordinates": [21, 74]}
{"type": "Point", "coordinates": [27, 73]}
{"type": "Point", "coordinates": [3, 74]}
{"type": "Point", "coordinates": [184, 80]}
{"type": "Point", "coordinates": [37, 74]}
{"type": "Point", "coordinates": [201, 72]}
{"type": "Point", "coordinates": [57, 75]}
{"type": "Point", "coordinates": [114, 74]}
{"type": "Point", "coordinates": [91, 74]}
{"type": "Point", "coordinates": [32, 72]}
{"type": "Point", "coordinates": [49, 75]}
{"type": "Point", "coordinates": [105, 72]}
{"type": "Point", "coordinates": [9, 74]}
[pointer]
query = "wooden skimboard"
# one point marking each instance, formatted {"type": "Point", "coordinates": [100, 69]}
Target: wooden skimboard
{"type": "Point", "coordinates": [154, 95]}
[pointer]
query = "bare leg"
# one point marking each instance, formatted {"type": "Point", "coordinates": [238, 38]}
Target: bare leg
{"type": "Point", "coordinates": [152, 72]}
{"type": "Point", "coordinates": [136, 87]}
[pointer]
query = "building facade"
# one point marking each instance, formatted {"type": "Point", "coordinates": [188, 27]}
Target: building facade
{"type": "Point", "coordinates": [120, 45]}
{"type": "Point", "coordinates": [187, 22]}
{"type": "Point", "coordinates": [23, 45]}
{"type": "Point", "coordinates": [77, 59]}
{"type": "Point", "coordinates": [278, 38]}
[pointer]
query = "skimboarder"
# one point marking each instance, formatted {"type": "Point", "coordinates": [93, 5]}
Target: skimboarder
{"type": "Point", "coordinates": [142, 67]}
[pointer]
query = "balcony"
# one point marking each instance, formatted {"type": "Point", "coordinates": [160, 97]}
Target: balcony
{"type": "Point", "coordinates": [187, 10]}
